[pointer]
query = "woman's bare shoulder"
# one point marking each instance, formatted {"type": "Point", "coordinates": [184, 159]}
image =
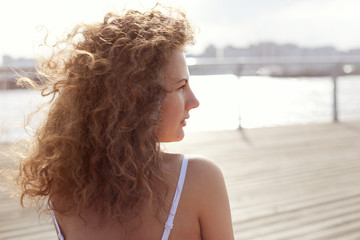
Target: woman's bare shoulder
{"type": "Point", "coordinates": [203, 168]}
{"type": "Point", "coordinates": [209, 197]}
{"type": "Point", "coordinates": [203, 175]}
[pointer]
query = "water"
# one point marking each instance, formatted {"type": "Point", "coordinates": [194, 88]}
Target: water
{"type": "Point", "coordinates": [226, 101]}
{"type": "Point", "coordinates": [16, 106]}
{"type": "Point", "coordinates": [257, 101]}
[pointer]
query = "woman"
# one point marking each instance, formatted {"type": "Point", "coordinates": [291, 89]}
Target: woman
{"type": "Point", "coordinates": [120, 88]}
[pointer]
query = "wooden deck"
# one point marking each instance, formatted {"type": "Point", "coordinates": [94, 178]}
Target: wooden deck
{"type": "Point", "coordinates": [293, 182]}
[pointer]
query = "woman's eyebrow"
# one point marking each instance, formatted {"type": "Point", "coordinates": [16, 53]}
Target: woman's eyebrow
{"type": "Point", "coordinates": [183, 79]}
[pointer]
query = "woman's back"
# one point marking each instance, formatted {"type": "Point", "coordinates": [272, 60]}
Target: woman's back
{"type": "Point", "coordinates": [195, 203]}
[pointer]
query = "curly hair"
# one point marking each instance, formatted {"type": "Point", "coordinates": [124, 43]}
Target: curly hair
{"type": "Point", "coordinates": [98, 145]}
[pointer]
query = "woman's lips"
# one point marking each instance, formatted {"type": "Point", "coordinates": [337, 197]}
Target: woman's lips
{"type": "Point", "coordinates": [183, 122]}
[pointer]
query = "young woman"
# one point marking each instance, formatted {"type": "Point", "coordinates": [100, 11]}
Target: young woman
{"type": "Point", "coordinates": [120, 88]}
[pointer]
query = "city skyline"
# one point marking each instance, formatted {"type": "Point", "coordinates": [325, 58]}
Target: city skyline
{"type": "Point", "coordinates": [269, 55]}
{"type": "Point", "coordinates": [237, 23]}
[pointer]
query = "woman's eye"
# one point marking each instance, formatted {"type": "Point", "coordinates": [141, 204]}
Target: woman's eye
{"type": "Point", "coordinates": [182, 87]}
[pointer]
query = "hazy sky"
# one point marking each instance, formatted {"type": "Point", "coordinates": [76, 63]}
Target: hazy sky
{"type": "Point", "coordinates": [221, 22]}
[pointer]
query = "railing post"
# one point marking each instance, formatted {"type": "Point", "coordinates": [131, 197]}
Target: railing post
{"type": "Point", "coordinates": [334, 81]}
{"type": "Point", "coordinates": [239, 68]}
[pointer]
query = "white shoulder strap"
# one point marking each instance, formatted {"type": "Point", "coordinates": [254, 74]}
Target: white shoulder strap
{"type": "Point", "coordinates": [60, 236]}
{"type": "Point", "coordinates": [175, 203]}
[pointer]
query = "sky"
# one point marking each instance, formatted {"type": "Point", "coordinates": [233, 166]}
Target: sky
{"type": "Point", "coordinates": [308, 23]}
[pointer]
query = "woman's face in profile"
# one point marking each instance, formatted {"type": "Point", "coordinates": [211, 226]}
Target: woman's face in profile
{"type": "Point", "coordinates": [179, 99]}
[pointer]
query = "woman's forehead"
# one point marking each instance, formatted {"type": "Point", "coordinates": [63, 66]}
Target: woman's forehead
{"type": "Point", "coordinates": [176, 69]}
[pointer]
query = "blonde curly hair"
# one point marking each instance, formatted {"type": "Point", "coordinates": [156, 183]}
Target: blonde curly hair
{"type": "Point", "coordinates": [98, 146]}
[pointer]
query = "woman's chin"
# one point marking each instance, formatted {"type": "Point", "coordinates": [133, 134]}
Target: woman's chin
{"type": "Point", "coordinates": [175, 138]}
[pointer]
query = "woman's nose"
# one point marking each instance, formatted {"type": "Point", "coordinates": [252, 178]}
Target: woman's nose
{"type": "Point", "coordinates": [192, 102]}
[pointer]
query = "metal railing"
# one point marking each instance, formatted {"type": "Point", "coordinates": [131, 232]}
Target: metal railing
{"type": "Point", "coordinates": [336, 64]}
